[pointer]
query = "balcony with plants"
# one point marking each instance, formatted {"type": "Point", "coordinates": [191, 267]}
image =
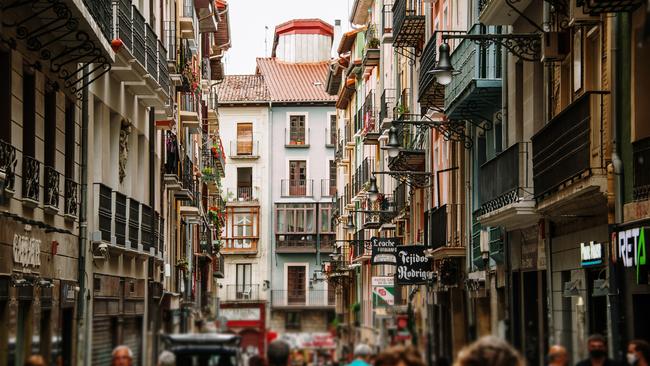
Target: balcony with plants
{"type": "Point", "coordinates": [371, 130]}
{"type": "Point", "coordinates": [189, 110]}
{"type": "Point", "coordinates": [411, 140]}
{"type": "Point", "coordinates": [371, 50]}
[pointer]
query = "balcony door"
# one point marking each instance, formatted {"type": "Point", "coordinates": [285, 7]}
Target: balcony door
{"type": "Point", "coordinates": [297, 178]}
{"type": "Point", "coordinates": [296, 288]}
{"type": "Point", "coordinates": [332, 173]}
{"type": "Point", "coordinates": [244, 184]}
{"type": "Point", "coordinates": [297, 130]}
{"type": "Point", "coordinates": [244, 139]}
{"type": "Point", "coordinates": [243, 287]}
{"type": "Point", "coordinates": [243, 230]}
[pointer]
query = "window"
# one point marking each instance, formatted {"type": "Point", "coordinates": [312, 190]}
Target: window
{"type": "Point", "coordinates": [332, 131]}
{"type": "Point", "coordinates": [297, 130]}
{"type": "Point", "coordinates": [577, 60]}
{"type": "Point", "coordinates": [244, 184]}
{"type": "Point", "coordinates": [297, 178]}
{"type": "Point", "coordinates": [332, 180]}
{"type": "Point", "coordinates": [69, 139]}
{"type": "Point", "coordinates": [5, 96]}
{"type": "Point", "coordinates": [244, 139]}
{"type": "Point", "coordinates": [326, 218]}
{"type": "Point", "coordinates": [50, 124]}
{"type": "Point", "coordinates": [295, 218]}
{"type": "Point", "coordinates": [243, 277]}
{"type": "Point", "coordinates": [292, 320]}
{"type": "Point", "coordinates": [296, 289]}
{"type": "Point", "coordinates": [242, 229]}
{"type": "Point", "coordinates": [243, 223]}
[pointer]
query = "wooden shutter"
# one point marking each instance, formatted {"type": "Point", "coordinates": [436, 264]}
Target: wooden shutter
{"type": "Point", "coordinates": [244, 139]}
{"type": "Point", "coordinates": [296, 291]}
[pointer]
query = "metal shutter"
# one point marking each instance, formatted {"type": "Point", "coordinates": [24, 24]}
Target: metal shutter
{"type": "Point", "coordinates": [133, 337]}
{"type": "Point", "coordinates": [102, 342]}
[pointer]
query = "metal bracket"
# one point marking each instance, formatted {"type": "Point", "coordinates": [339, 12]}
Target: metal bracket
{"type": "Point", "coordinates": [526, 46]}
{"type": "Point", "coordinates": [451, 130]}
{"type": "Point", "coordinates": [411, 178]}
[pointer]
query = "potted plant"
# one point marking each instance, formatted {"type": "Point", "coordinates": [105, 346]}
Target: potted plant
{"type": "Point", "coordinates": [373, 43]}
{"type": "Point", "coordinates": [182, 264]}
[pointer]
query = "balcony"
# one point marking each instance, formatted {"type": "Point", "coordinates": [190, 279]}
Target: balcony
{"type": "Point", "coordinates": [568, 153]}
{"type": "Point", "coordinates": [400, 195]}
{"type": "Point", "coordinates": [328, 187]}
{"type": "Point", "coordinates": [171, 46]}
{"type": "Point", "coordinates": [186, 20]}
{"type": "Point", "coordinates": [350, 140]}
{"type": "Point", "coordinates": [411, 155]}
{"type": "Point", "coordinates": [387, 22]}
{"type": "Point", "coordinates": [438, 241]}
{"type": "Point", "coordinates": [240, 245]}
{"type": "Point", "coordinates": [241, 149]}
{"type": "Point", "coordinates": [362, 174]}
{"type": "Point", "coordinates": [387, 104]}
{"type": "Point", "coordinates": [371, 52]}
{"type": "Point", "coordinates": [241, 195]}
{"type": "Point", "coordinates": [431, 94]}
{"type": "Point", "coordinates": [297, 187]}
{"type": "Point", "coordinates": [52, 184]}
{"type": "Point", "coordinates": [303, 299]}
{"type": "Point", "coordinates": [382, 214]}
{"type": "Point", "coordinates": [438, 228]}
{"type": "Point", "coordinates": [477, 89]}
{"type": "Point", "coordinates": [296, 138]}
{"type": "Point", "coordinates": [218, 266]}
{"type": "Point", "coordinates": [71, 206]}
{"type": "Point", "coordinates": [641, 161]}
{"type": "Point", "coordinates": [303, 243]}
{"type": "Point", "coordinates": [8, 163]}
{"type": "Point", "coordinates": [408, 24]}
{"type": "Point", "coordinates": [31, 181]}
{"type": "Point", "coordinates": [207, 14]}
{"type": "Point", "coordinates": [505, 186]}
{"type": "Point", "coordinates": [499, 12]}
{"type": "Point", "coordinates": [240, 293]}
{"type": "Point", "coordinates": [189, 111]}
{"type": "Point", "coordinates": [186, 188]}
{"type": "Point", "coordinates": [172, 167]}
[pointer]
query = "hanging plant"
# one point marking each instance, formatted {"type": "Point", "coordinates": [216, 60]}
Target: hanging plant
{"type": "Point", "coordinates": [182, 264]}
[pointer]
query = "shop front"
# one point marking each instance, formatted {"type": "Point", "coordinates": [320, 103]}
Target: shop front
{"type": "Point", "coordinates": [249, 322]}
{"type": "Point", "coordinates": [38, 292]}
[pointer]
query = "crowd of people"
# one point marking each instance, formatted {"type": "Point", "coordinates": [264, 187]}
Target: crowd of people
{"type": "Point", "coordinates": [486, 351]}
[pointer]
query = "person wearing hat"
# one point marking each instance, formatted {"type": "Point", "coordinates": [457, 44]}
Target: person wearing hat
{"type": "Point", "coordinates": [362, 354]}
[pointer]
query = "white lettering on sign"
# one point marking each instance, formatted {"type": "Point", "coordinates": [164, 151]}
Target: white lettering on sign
{"type": "Point", "coordinates": [628, 242]}
{"type": "Point", "coordinates": [27, 251]}
{"type": "Point", "coordinates": [411, 259]}
{"type": "Point", "coordinates": [591, 253]}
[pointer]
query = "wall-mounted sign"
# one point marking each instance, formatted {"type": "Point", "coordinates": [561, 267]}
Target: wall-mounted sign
{"type": "Point", "coordinates": [591, 254]}
{"type": "Point", "coordinates": [240, 313]}
{"type": "Point", "coordinates": [632, 251]}
{"type": "Point", "coordinates": [413, 267]}
{"type": "Point", "coordinates": [383, 281]}
{"type": "Point", "coordinates": [383, 296]}
{"type": "Point", "coordinates": [384, 250]}
{"type": "Point", "coordinates": [27, 251]}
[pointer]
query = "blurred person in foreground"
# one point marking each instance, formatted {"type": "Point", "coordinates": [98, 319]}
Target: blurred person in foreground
{"type": "Point", "coordinates": [35, 360]}
{"type": "Point", "coordinates": [166, 358]}
{"type": "Point", "coordinates": [277, 353]}
{"type": "Point", "coordinates": [122, 356]}
{"type": "Point", "coordinates": [489, 351]}
{"type": "Point", "coordinates": [256, 360]}
{"type": "Point", "coordinates": [362, 354]}
{"type": "Point", "coordinates": [557, 356]}
{"type": "Point", "coordinates": [597, 346]}
{"type": "Point", "coordinates": [638, 353]}
{"type": "Point", "coordinates": [399, 356]}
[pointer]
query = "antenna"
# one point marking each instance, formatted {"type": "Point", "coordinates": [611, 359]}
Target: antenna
{"type": "Point", "coordinates": [266, 48]}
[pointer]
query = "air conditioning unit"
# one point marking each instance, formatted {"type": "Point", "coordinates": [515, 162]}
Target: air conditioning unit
{"type": "Point", "coordinates": [555, 46]}
{"type": "Point", "coordinates": [577, 15]}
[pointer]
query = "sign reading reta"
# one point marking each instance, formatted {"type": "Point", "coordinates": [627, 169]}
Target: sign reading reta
{"type": "Point", "coordinates": [632, 251]}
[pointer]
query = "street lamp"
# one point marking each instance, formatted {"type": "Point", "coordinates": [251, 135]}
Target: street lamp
{"type": "Point", "coordinates": [350, 225]}
{"type": "Point", "coordinates": [443, 70]}
{"type": "Point", "coordinates": [393, 145]}
{"type": "Point", "coordinates": [373, 192]}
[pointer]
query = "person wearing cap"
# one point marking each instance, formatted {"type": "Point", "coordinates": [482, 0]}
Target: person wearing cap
{"type": "Point", "coordinates": [362, 354]}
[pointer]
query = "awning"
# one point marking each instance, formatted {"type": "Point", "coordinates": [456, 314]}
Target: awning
{"type": "Point", "coordinates": [347, 40]}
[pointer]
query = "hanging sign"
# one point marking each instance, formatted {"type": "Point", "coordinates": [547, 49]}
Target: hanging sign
{"type": "Point", "coordinates": [413, 267]}
{"type": "Point", "coordinates": [27, 251]}
{"type": "Point", "coordinates": [384, 250]}
{"type": "Point", "coordinates": [591, 254]}
{"type": "Point", "coordinates": [383, 296]}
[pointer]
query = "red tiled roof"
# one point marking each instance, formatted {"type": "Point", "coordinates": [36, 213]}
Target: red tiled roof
{"type": "Point", "coordinates": [300, 82]}
{"type": "Point", "coordinates": [242, 88]}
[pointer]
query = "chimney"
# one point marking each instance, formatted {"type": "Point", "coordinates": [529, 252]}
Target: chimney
{"type": "Point", "coordinates": [337, 37]}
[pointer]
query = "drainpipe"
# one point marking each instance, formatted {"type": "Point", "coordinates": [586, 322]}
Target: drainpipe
{"type": "Point", "coordinates": [269, 202]}
{"type": "Point", "coordinates": [152, 200]}
{"type": "Point", "coordinates": [82, 327]}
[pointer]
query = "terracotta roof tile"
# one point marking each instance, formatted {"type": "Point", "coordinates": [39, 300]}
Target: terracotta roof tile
{"type": "Point", "coordinates": [242, 88]}
{"type": "Point", "coordinates": [300, 82]}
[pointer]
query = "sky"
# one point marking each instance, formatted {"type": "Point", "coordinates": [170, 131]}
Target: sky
{"type": "Point", "coordinates": [249, 17]}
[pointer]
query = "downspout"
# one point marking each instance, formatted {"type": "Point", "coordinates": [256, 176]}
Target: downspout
{"type": "Point", "coordinates": [152, 199]}
{"type": "Point", "coordinates": [82, 326]}
{"type": "Point", "coordinates": [269, 202]}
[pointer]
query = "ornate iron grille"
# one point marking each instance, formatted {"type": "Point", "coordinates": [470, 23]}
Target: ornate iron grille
{"type": "Point", "coordinates": [52, 179]}
{"type": "Point", "coordinates": [71, 197]}
{"type": "Point", "coordinates": [8, 164]}
{"type": "Point", "coordinates": [139, 44]}
{"type": "Point", "coordinates": [31, 170]}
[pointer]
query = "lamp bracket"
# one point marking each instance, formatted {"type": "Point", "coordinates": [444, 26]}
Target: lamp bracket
{"type": "Point", "coordinates": [411, 178]}
{"type": "Point", "coordinates": [451, 129]}
{"type": "Point", "coordinates": [526, 46]}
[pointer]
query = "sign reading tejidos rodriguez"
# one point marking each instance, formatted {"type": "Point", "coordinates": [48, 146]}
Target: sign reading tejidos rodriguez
{"type": "Point", "coordinates": [413, 267]}
{"type": "Point", "coordinates": [384, 250]}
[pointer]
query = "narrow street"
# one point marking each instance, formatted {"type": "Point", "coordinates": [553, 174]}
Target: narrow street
{"type": "Point", "coordinates": [324, 183]}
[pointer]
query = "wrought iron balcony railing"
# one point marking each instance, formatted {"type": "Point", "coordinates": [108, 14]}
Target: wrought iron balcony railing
{"type": "Point", "coordinates": [102, 12]}
{"type": "Point", "coordinates": [188, 103]}
{"type": "Point", "coordinates": [363, 173]}
{"type": "Point", "coordinates": [52, 182]}
{"type": "Point", "coordinates": [8, 163]}
{"type": "Point", "coordinates": [241, 194]}
{"type": "Point", "coordinates": [438, 227]}
{"type": "Point", "coordinates": [171, 43]}
{"type": "Point", "coordinates": [139, 37]}
{"type": "Point", "coordinates": [387, 105]}
{"type": "Point", "coordinates": [641, 161]}
{"type": "Point", "coordinates": [328, 187]}
{"type": "Point", "coordinates": [387, 18]}
{"type": "Point", "coordinates": [31, 179]}
{"type": "Point", "coordinates": [188, 174]}
{"type": "Point", "coordinates": [241, 292]}
{"type": "Point", "coordinates": [400, 194]}
{"type": "Point", "coordinates": [172, 157]}
{"type": "Point", "coordinates": [120, 218]}
{"type": "Point", "coordinates": [71, 205]}
{"type": "Point", "coordinates": [151, 41]}
{"type": "Point", "coordinates": [408, 23]}
{"type": "Point", "coordinates": [302, 298]}
{"type": "Point", "coordinates": [297, 187]}
{"type": "Point", "coordinates": [124, 30]}
{"type": "Point", "coordinates": [134, 223]}
{"type": "Point", "coordinates": [147, 228]}
{"type": "Point", "coordinates": [295, 137]}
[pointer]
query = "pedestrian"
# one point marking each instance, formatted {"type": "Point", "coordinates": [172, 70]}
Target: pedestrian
{"type": "Point", "coordinates": [489, 351]}
{"type": "Point", "coordinates": [278, 353]}
{"type": "Point", "coordinates": [557, 356]}
{"type": "Point", "coordinates": [638, 353]}
{"type": "Point", "coordinates": [122, 356]}
{"type": "Point", "coordinates": [362, 354]}
{"type": "Point", "coordinates": [256, 360]}
{"type": "Point", "coordinates": [399, 356]}
{"type": "Point", "coordinates": [35, 360]}
{"type": "Point", "coordinates": [597, 347]}
{"type": "Point", "coordinates": [166, 358]}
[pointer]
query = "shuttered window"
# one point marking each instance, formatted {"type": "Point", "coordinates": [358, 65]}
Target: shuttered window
{"type": "Point", "coordinates": [244, 139]}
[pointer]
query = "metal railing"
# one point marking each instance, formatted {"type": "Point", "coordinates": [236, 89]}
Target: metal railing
{"type": "Point", "coordinates": [244, 149]}
{"type": "Point", "coordinates": [52, 183]}
{"type": "Point", "coordinates": [241, 292]}
{"type": "Point", "coordinates": [302, 298]}
{"type": "Point", "coordinates": [438, 227]}
{"type": "Point", "coordinates": [296, 137]}
{"type": "Point", "coordinates": [139, 38]}
{"type": "Point", "coordinates": [172, 157]}
{"type": "Point", "coordinates": [387, 18]}
{"type": "Point", "coordinates": [31, 179]}
{"type": "Point", "coordinates": [102, 12]}
{"type": "Point", "coordinates": [188, 103]}
{"type": "Point", "coordinates": [403, 9]}
{"type": "Point", "coordinates": [146, 227]}
{"type": "Point", "coordinates": [244, 244]}
{"type": "Point", "coordinates": [8, 163]}
{"type": "Point", "coordinates": [347, 194]}
{"type": "Point", "coordinates": [297, 187]}
{"type": "Point", "coordinates": [151, 41]}
{"type": "Point", "coordinates": [387, 104]}
{"type": "Point", "coordinates": [163, 72]}
{"type": "Point", "coordinates": [170, 40]}
{"type": "Point", "coordinates": [504, 179]}
{"type": "Point", "coordinates": [124, 30]}
{"type": "Point", "coordinates": [188, 8]}
{"type": "Point", "coordinates": [134, 222]}
{"type": "Point", "coordinates": [242, 194]}
{"type": "Point", "coordinates": [297, 242]}
{"type": "Point", "coordinates": [363, 173]}
{"type": "Point", "coordinates": [120, 218]}
{"type": "Point", "coordinates": [188, 174]}
{"type": "Point", "coordinates": [641, 161]}
{"type": "Point", "coordinates": [401, 198]}
{"type": "Point", "coordinates": [338, 154]}
{"type": "Point", "coordinates": [71, 205]}
{"type": "Point", "coordinates": [105, 214]}
{"type": "Point", "coordinates": [563, 149]}
{"type": "Point", "coordinates": [328, 187]}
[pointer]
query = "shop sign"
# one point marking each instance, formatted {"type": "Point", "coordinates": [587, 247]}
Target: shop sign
{"type": "Point", "coordinates": [591, 254]}
{"type": "Point", "coordinates": [27, 251]}
{"type": "Point", "coordinates": [304, 340]}
{"type": "Point", "coordinates": [383, 296]}
{"type": "Point", "coordinates": [384, 250]}
{"type": "Point", "coordinates": [383, 281]}
{"type": "Point", "coordinates": [413, 267]}
{"type": "Point", "coordinates": [241, 313]}
{"type": "Point", "coordinates": [632, 251]}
